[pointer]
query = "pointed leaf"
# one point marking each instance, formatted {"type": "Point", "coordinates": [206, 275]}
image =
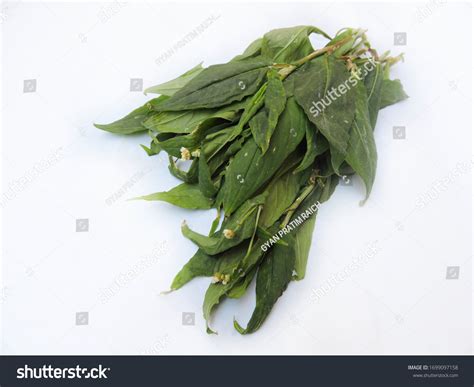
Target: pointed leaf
{"type": "Point", "coordinates": [183, 122]}
{"type": "Point", "coordinates": [171, 87]}
{"type": "Point", "coordinates": [281, 194]}
{"type": "Point", "coordinates": [206, 185]}
{"type": "Point", "coordinates": [184, 196]}
{"type": "Point", "coordinates": [132, 122]}
{"type": "Point", "coordinates": [218, 85]}
{"type": "Point", "coordinates": [273, 277]}
{"type": "Point", "coordinates": [242, 223]}
{"type": "Point", "coordinates": [263, 123]}
{"type": "Point", "coordinates": [311, 148]}
{"type": "Point", "coordinates": [200, 265]}
{"type": "Point", "coordinates": [324, 88]}
{"type": "Point", "coordinates": [392, 92]}
{"type": "Point", "coordinates": [361, 152]}
{"type": "Point", "coordinates": [373, 83]}
{"type": "Point", "coordinates": [286, 45]}
{"type": "Point", "coordinates": [253, 50]}
{"type": "Point", "coordinates": [216, 292]}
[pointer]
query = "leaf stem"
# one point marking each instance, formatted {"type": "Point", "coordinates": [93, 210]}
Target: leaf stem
{"type": "Point", "coordinates": [284, 72]}
{"type": "Point", "coordinates": [260, 207]}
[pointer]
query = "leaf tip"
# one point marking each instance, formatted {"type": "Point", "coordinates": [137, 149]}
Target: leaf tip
{"type": "Point", "coordinates": [209, 331]}
{"type": "Point", "coordinates": [238, 328]}
{"type": "Point", "coordinates": [100, 126]}
{"type": "Point", "coordinates": [362, 202]}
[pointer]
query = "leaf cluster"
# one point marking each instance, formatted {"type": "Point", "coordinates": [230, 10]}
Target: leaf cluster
{"type": "Point", "coordinates": [267, 140]}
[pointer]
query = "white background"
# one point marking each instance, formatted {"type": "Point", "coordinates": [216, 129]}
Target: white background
{"type": "Point", "coordinates": [83, 57]}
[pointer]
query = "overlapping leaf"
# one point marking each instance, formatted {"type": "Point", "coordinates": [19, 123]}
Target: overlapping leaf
{"type": "Point", "coordinates": [263, 139]}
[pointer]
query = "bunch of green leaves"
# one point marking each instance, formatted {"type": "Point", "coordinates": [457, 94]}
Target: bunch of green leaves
{"type": "Point", "coordinates": [261, 154]}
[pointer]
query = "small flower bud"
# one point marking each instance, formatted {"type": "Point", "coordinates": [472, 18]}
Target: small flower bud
{"type": "Point", "coordinates": [228, 234]}
{"type": "Point", "coordinates": [226, 279]}
{"type": "Point", "coordinates": [185, 155]}
{"type": "Point", "coordinates": [216, 278]}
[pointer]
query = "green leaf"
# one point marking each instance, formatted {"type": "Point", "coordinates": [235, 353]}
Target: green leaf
{"type": "Point", "coordinates": [192, 140]}
{"type": "Point", "coordinates": [229, 260]}
{"type": "Point", "coordinates": [204, 265]}
{"type": "Point", "coordinates": [216, 292]}
{"type": "Point", "coordinates": [329, 188]}
{"type": "Point", "coordinates": [239, 289]}
{"type": "Point", "coordinates": [303, 238]}
{"type": "Point", "coordinates": [337, 159]}
{"type": "Point", "coordinates": [392, 92]}
{"type": "Point", "coordinates": [373, 83]}
{"type": "Point", "coordinates": [184, 196]}
{"type": "Point", "coordinates": [200, 265]}
{"type": "Point", "coordinates": [171, 87]}
{"type": "Point", "coordinates": [346, 33]}
{"type": "Point", "coordinates": [214, 141]}
{"type": "Point", "coordinates": [322, 144]}
{"type": "Point", "coordinates": [132, 123]}
{"type": "Point", "coordinates": [273, 277]}
{"type": "Point", "coordinates": [263, 124]}
{"type": "Point", "coordinates": [253, 50]}
{"type": "Point", "coordinates": [219, 85]}
{"type": "Point", "coordinates": [304, 233]}
{"type": "Point", "coordinates": [206, 185]}
{"type": "Point", "coordinates": [242, 223]}
{"type": "Point", "coordinates": [275, 101]}
{"type": "Point", "coordinates": [281, 194]}
{"type": "Point", "coordinates": [259, 128]}
{"type": "Point", "coordinates": [250, 170]}
{"type": "Point", "coordinates": [253, 104]}
{"type": "Point", "coordinates": [183, 122]}
{"type": "Point", "coordinates": [191, 176]}
{"type": "Point", "coordinates": [318, 90]}
{"type": "Point", "coordinates": [361, 152]}
{"type": "Point", "coordinates": [153, 150]}
{"type": "Point", "coordinates": [286, 45]}
{"type": "Point", "coordinates": [214, 295]}
{"type": "Point", "coordinates": [312, 149]}
{"type": "Point", "coordinates": [266, 235]}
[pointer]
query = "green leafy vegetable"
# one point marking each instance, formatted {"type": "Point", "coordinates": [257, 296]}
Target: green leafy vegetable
{"type": "Point", "coordinates": [263, 139]}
